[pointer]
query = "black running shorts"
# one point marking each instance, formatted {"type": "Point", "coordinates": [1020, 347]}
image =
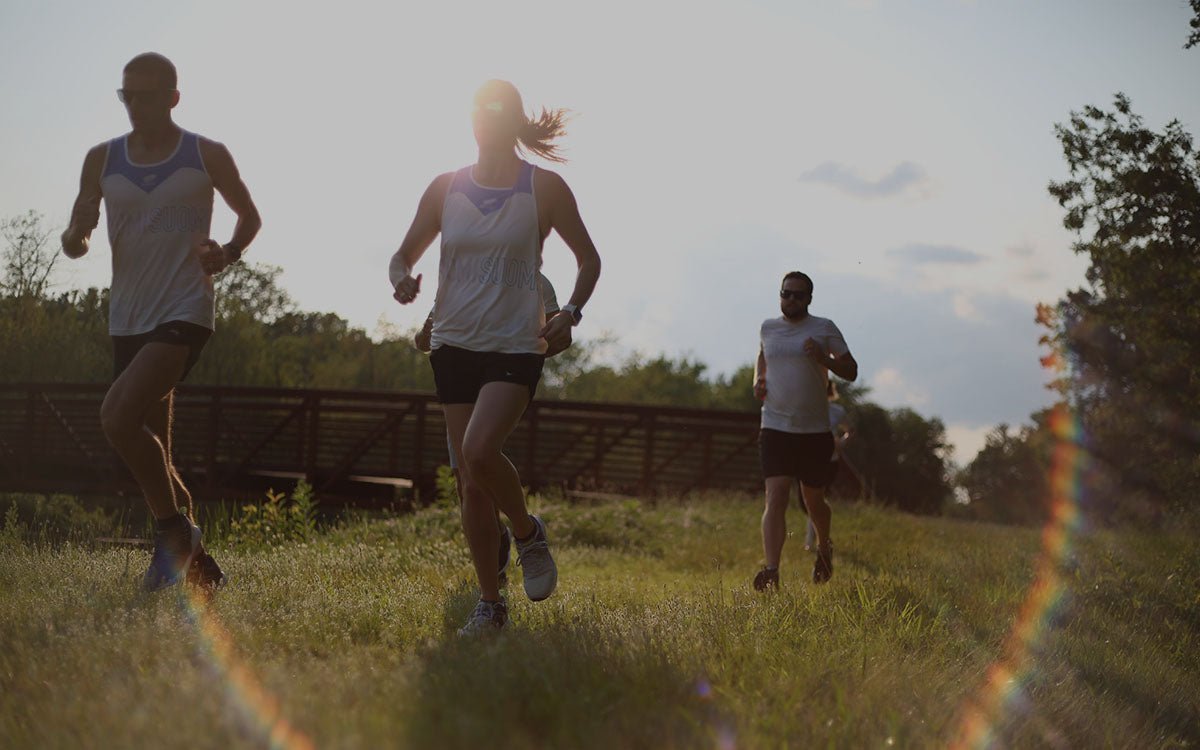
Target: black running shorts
{"type": "Point", "coordinates": [459, 374]}
{"type": "Point", "coordinates": [809, 457]}
{"type": "Point", "coordinates": [194, 337]}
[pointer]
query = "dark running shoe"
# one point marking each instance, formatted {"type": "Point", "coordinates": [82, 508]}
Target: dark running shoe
{"type": "Point", "coordinates": [487, 617]}
{"type": "Point", "coordinates": [505, 553]}
{"type": "Point", "coordinates": [823, 564]}
{"type": "Point", "coordinates": [206, 573]}
{"type": "Point", "coordinates": [174, 551]}
{"type": "Point", "coordinates": [767, 578]}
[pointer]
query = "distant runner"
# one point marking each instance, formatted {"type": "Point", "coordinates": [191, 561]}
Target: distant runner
{"type": "Point", "coordinates": [796, 353]}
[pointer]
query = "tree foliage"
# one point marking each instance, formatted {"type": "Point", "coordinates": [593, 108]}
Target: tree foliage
{"type": "Point", "coordinates": [1127, 344]}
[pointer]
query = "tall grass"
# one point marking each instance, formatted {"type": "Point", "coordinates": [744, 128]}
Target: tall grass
{"type": "Point", "coordinates": [654, 638]}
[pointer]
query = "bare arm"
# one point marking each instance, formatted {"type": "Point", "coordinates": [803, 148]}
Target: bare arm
{"type": "Point", "coordinates": [421, 234]}
{"type": "Point", "coordinates": [842, 365]}
{"type": "Point", "coordinates": [228, 182]}
{"type": "Point", "coordinates": [845, 367]}
{"type": "Point", "coordinates": [760, 375]}
{"type": "Point", "coordinates": [85, 213]}
{"type": "Point", "coordinates": [564, 218]}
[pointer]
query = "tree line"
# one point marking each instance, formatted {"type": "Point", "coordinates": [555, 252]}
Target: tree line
{"type": "Point", "coordinates": [265, 339]}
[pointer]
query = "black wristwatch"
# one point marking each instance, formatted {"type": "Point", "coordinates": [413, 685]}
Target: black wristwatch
{"type": "Point", "coordinates": [574, 312]}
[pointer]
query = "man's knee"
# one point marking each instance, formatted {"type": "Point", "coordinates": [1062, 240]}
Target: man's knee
{"type": "Point", "coordinates": [777, 500]}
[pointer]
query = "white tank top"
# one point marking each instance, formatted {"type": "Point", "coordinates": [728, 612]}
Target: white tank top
{"type": "Point", "coordinates": [488, 297]}
{"type": "Point", "coordinates": [157, 216]}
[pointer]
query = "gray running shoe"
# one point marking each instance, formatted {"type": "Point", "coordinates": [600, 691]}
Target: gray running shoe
{"type": "Point", "coordinates": [487, 617]}
{"type": "Point", "coordinates": [541, 574]}
{"type": "Point", "coordinates": [172, 557]}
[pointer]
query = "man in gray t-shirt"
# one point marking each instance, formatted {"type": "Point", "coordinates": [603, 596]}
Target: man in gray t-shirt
{"type": "Point", "coordinates": [797, 352]}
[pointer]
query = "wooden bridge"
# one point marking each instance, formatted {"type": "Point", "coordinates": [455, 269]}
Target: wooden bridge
{"type": "Point", "coordinates": [232, 443]}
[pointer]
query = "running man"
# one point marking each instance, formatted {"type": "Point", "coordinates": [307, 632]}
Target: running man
{"type": "Point", "coordinates": [490, 334]}
{"type": "Point", "coordinates": [422, 341]}
{"type": "Point", "coordinates": [157, 186]}
{"type": "Point", "coordinates": [796, 353]}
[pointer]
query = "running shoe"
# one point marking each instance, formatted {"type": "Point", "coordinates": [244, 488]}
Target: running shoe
{"type": "Point", "coordinates": [823, 564]}
{"type": "Point", "coordinates": [541, 574]}
{"type": "Point", "coordinates": [174, 551]}
{"type": "Point", "coordinates": [766, 578]}
{"type": "Point", "coordinates": [505, 553]}
{"type": "Point", "coordinates": [487, 617]}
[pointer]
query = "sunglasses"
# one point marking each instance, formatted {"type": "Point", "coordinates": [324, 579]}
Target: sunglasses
{"type": "Point", "coordinates": [790, 294]}
{"type": "Point", "coordinates": [152, 96]}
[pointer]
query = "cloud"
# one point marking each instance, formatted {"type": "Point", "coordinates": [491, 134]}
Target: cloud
{"type": "Point", "coordinates": [921, 253]}
{"type": "Point", "coordinates": [839, 176]}
{"type": "Point", "coordinates": [891, 386]}
{"type": "Point", "coordinates": [964, 308]}
{"type": "Point", "coordinates": [1024, 250]}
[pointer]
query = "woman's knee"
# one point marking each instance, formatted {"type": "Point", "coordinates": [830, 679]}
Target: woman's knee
{"type": "Point", "coordinates": [479, 457]}
{"type": "Point", "coordinates": [119, 422]}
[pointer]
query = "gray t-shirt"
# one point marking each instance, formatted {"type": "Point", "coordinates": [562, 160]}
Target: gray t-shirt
{"type": "Point", "coordinates": [796, 400]}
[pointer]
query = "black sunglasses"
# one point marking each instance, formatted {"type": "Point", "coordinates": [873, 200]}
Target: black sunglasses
{"type": "Point", "coordinates": [129, 96]}
{"type": "Point", "coordinates": [790, 294]}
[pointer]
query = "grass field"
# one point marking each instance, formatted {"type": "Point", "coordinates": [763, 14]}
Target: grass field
{"type": "Point", "coordinates": [654, 639]}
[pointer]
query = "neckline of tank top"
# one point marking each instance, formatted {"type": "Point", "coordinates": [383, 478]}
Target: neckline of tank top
{"type": "Point", "coordinates": [125, 145]}
{"type": "Point", "coordinates": [476, 183]}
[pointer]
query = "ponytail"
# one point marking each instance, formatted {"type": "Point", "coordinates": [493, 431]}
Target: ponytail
{"type": "Point", "coordinates": [536, 135]}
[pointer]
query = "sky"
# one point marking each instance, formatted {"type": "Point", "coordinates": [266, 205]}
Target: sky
{"type": "Point", "coordinates": [898, 151]}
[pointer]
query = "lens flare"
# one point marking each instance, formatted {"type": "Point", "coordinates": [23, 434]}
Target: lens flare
{"type": "Point", "coordinates": [1002, 690]}
{"type": "Point", "coordinates": [259, 709]}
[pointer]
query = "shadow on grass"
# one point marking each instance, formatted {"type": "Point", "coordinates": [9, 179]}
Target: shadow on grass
{"type": "Point", "coordinates": [573, 681]}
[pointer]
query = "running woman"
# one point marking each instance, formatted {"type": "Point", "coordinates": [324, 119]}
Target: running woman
{"type": "Point", "coordinates": [422, 341]}
{"type": "Point", "coordinates": [157, 185]}
{"type": "Point", "coordinates": [796, 353]}
{"type": "Point", "coordinates": [490, 333]}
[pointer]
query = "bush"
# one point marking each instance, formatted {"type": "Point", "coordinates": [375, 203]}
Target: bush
{"type": "Point", "coordinates": [279, 520]}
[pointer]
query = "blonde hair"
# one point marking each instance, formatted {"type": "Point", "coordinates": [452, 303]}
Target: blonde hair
{"type": "Point", "coordinates": [537, 135]}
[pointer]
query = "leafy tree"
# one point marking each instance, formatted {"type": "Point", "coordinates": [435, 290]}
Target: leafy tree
{"type": "Point", "coordinates": [1194, 37]}
{"type": "Point", "coordinates": [904, 458]}
{"type": "Point", "coordinates": [1008, 480]}
{"type": "Point", "coordinates": [29, 259]}
{"type": "Point", "coordinates": [1128, 343]}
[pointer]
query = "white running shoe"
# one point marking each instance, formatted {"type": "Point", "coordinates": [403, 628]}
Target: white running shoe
{"type": "Point", "coordinates": [487, 617]}
{"type": "Point", "coordinates": [541, 574]}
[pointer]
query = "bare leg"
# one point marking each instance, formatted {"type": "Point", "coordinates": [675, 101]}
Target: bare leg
{"type": "Point", "coordinates": [774, 519]}
{"type": "Point", "coordinates": [497, 412]}
{"type": "Point", "coordinates": [149, 379]}
{"type": "Point", "coordinates": [161, 421]}
{"type": "Point", "coordinates": [489, 481]}
{"type": "Point", "coordinates": [818, 512]}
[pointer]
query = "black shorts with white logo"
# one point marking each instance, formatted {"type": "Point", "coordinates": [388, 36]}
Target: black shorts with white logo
{"type": "Point", "coordinates": [809, 457]}
{"type": "Point", "coordinates": [177, 332]}
{"type": "Point", "coordinates": [459, 374]}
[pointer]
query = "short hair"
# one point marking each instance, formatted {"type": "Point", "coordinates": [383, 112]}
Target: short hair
{"type": "Point", "coordinates": [797, 275]}
{"type": "Point", "coordinates": [154, 64]}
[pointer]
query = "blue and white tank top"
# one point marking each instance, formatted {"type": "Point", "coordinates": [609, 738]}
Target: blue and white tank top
{"type": "Point", "coordinates": [157, 216]}
{"type": "Point", "coordinates": [488, 297]}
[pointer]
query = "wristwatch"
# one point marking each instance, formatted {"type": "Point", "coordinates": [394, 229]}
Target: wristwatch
{"type": "Point", "coordinates": [574, 312]}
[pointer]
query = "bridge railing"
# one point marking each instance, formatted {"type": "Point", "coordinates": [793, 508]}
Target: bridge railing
{"type": "Point", "coordinates": [364, 444]}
